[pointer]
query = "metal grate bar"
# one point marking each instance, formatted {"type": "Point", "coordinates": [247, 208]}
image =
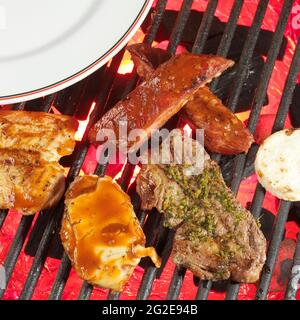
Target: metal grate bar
{"type": "Point", "coordinates": [247, 54]}
{"type": "Point", "coordinates": [293, 284]}
{"type": "Point", "coordinates": [159, 13]}
{"type": "Point", "coordinates": [233, 288]}
{"type": "Point", "coordinates": [203, 290]}
{"type": "Point", "coordinates": [61, 278]}
{"type": "Point", "coordinates": [275, 242]}
{"type": "Point", "coordinates": [146, 284]}
{"type": "Point", "coordinates": [85, 292]}
{"type": "Point", "coordinates": [176, 283]}
{"type": "Point", "coordinates": [180, 23]}
{"type": "Point", "coordinates": [16, 247]}
{"type": "Point", "coordinates": [155, 221]}
{"type": "Point", "coordinates": [228, 34]}
{"type": "Point", "coordinates": [204, 28]}
{"type": "Point", "coordinates": [288, 91]}
{"type": "Point", "coordinates": [49, 101]}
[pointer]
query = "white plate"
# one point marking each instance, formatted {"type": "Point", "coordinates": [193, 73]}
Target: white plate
{"type": "Point", "coordinates": [47, 45]}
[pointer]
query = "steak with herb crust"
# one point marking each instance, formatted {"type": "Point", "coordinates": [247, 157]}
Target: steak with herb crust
{"type": "Point", "coordinates": [216, 238]}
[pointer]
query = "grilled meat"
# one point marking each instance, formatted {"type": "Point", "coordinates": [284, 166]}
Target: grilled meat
{"type": "Point", "coordinates": [164, 93]}
{"type": "Point", "coordinates": [146, 59]}
{"type": "Point", "coordinates": [216, 238]}
{"type": "Point", "coordinates": [31, 144]}
{"type": "Point", "coordinates": [101, 233]}
{"type": "Point", "coordinates": [49, 134]}
{"type": "Point", "coordinates": [27, 182]}
{"type": "Point", "coordinates": [224, 132]}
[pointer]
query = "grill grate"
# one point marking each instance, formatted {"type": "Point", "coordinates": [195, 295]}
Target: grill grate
{"type": "Point", "coordinates": [156, 234]}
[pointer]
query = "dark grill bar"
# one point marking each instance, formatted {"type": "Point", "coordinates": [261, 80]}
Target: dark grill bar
{"type": "Point", "coordinates": [152, 223]}
{"type": "Point", "coordinates": [291, 289]}
{"type": "Point", "coordinates": [205, 27]}
{"type": "Point", "coordinates": [233, 288]}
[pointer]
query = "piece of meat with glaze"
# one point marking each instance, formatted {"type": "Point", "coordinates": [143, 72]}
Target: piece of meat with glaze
{"type": "Point", "coordinates": [224, 132]}
{"type": "Point", "coordinates": [101, 234]}
{"type": "Point", "coordinates": [28, 183]}
{"type": "Point", "coordinates": [216, 238]}
{"type": "Point", "coordinates": [161, 96]}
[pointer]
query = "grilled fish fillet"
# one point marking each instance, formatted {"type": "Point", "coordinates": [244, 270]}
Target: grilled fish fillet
{"type": "Point", "coordinates": [101, 233]}
{"type": "Point", "coordinates": [161, 96]}
{"type": "Point", "coordinates": [224, 132]}
{"type": "Point", "coordinates": [31, 145]}
{"type": "Point", "coordinates": [215, 238]}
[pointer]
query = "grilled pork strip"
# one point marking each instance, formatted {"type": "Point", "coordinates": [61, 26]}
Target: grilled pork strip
{"type": "Point", "coordinates": [164, 93]}
{"type": "Point", "coordinates": [216, 238]}
{"type": "Point", "coordinates": [224, 132]}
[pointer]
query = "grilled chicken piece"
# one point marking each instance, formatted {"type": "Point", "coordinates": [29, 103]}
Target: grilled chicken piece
{"type": "Point", "coordinates": [216, 238]}
{"type": "Point", "coordinates": [224, 132]}
{"type": "Point", "coordinates": [49, 134]}
{"type": "Point", "coordinates": [31, 145]}
{"type": "Point", "coordinates": [164, 93]}
{"type": "Point", "coordinates": [101, 233]}
{"type": "Point", "coordinates": [29, 183]}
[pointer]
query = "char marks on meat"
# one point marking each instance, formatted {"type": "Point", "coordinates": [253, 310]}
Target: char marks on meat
{"type": "Point", "coordinates": [216, 238]}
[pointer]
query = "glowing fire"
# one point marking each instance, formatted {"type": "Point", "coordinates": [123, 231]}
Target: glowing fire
{"type": "Point", "coordinates": [120, 173]}
{"type": "Point", "coordinates": [83, 124]}
{"type": "Point", "coordinates": [137, 170]}
{"type": "Point", "coordinates": [188, 130]}
{"type": "Point", "coordinates": [126, 65]}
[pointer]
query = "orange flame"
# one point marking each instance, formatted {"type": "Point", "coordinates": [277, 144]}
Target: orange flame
{"type": "Point", "coordinates": [83, 124]}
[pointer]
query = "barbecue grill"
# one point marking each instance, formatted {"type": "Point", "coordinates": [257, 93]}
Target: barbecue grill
{"type": "Point", "coordinates": [37, 235]}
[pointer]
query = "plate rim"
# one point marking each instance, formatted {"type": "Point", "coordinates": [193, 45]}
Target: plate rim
{"type": "Point", "coordinates": [80, 75]}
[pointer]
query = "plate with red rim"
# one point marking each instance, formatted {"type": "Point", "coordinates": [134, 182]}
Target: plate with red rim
{"type": "Point", "coordinates": [49, 45]}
